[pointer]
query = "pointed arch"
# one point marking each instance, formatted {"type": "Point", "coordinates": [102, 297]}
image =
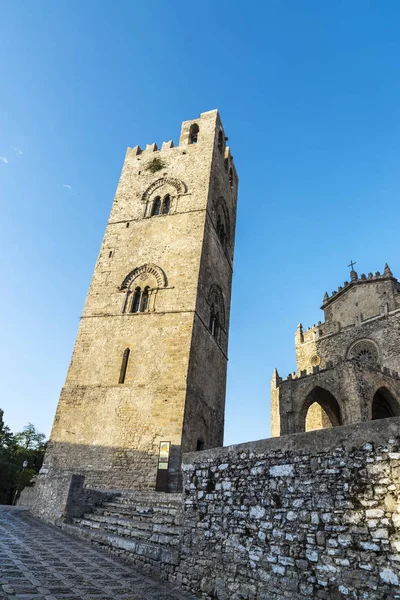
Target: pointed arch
{"type": "Point", "coordinates": [320, 410]}
{"type": "Point", "coordinates": [384, 405]}
{"type": "Point", "coordinates": [149, 269]}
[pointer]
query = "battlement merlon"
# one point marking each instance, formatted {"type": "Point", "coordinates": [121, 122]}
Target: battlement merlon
{"type": "Point", "coordinates": [191, 135]}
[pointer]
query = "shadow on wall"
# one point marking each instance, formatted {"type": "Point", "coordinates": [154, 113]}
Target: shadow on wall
{"type": "Point", "coordinates": [101, 468]}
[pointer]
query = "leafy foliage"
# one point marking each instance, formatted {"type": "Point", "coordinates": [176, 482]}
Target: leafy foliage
{"type": "Point", "coordinates": [156, 164]}
{"type": "Point", "coordinates": [21, 457]}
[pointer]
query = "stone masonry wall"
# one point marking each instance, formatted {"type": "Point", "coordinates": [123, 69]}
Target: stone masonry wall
{"type": "Point", "coordinates": [314, 515]}
{"type": "Point", "coordinates": [108, 429]}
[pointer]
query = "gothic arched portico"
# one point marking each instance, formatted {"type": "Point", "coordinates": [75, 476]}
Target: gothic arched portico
{"type": "Point", "coordinates": [320, 410]}
{"type": "Point", "coordinates": [384, 405]}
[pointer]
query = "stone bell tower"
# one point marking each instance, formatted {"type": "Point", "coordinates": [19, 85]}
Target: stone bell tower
{"type": "Point", "coordinates": [147, 376]}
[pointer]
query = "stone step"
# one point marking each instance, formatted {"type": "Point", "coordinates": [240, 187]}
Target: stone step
{"type": "Point", "coordinates": [138, 513]}
{"type": "Point", "coordinates": [126, 532]}
{"type": "Point", "coordinates": [108, 522]}
{"type": "Point", "coordinates": [148, 499]}
{"type": "Point", "coordinates": [139, 547]}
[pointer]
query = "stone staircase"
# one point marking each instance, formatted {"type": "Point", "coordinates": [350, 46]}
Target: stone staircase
{"type": "Point", "coordinates": [143, 527]}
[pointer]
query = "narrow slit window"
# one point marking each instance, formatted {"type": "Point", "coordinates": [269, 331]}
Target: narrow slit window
{"type": "Point", "coordinates": [110, 254]}
{"type": "Point", "coordinates": [127, 225]}
{"type": "Point", "coordinates": [124, 365]}
{"type": "Point", "coordinates": [200, 445]}
{"type": "Point", "coordinates": [145, 300]}
{"type": "Point", "coordinates": [231, 177]}
{"type": "Point", "coordinates": [156, 207]}
{"type": "Point", "coordinates": [166, 205]}
{"type": "Point", "coordinates": [136, 301]}
{"type": "Point", "coordinates": [220, 142]}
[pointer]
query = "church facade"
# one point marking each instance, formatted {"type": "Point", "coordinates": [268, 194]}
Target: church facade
{"type": "Point", "coordinates": [348, 367]}
{"type": "Point", "coordinates": [148, 372]}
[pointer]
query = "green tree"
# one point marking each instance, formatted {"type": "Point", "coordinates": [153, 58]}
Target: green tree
{"type": "Point", "coordinates": [30, 439]}
{"type": "Point", "coordinates": [21, 457]}
{"type": "Point", "coordinates": [8, 462]}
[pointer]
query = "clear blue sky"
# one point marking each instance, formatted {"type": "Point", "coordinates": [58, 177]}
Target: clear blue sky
{"type": "Point", "coordinates": [309, 94]}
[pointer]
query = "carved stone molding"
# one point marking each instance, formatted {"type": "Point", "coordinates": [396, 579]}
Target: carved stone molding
{"type": "Point", "coordinates": [176, 183]}
{"type": "Point", "coordinates": [147, 269]}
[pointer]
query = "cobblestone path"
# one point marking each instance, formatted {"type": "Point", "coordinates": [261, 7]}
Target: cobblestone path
{"type": "Point", "coordinates": [41, 562]}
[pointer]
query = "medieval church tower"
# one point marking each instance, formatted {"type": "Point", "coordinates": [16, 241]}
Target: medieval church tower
{"type": "Point", "coordinates": [148, 372]}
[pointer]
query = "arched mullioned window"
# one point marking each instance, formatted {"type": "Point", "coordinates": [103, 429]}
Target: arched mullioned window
{"type": "Point", "coordinates": [136, 300]}
{"type": "Point", "coordinates": [140, 301]}
{"type": "Point", "coordinates": [144, 302]}
{"type": "Point", "coordinates": [156, 206]}
{"type": "Point", "coordinates": [194, 133]}
{"type": "Point", "coordinates": [166, 205]}
{"type": "Point", "coordinates": [221, 142]}
{"type": "Point", "coordinates": [124, 366]}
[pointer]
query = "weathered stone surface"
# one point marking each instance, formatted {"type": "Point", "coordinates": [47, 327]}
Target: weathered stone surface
{"type": "Point", "coordinates": [340, 541]}
{"type": "Point", "coordinates": [110, 431]}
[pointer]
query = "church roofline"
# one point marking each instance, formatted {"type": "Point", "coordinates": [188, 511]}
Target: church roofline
{"type": "Point", "coordinates": [355, 280]}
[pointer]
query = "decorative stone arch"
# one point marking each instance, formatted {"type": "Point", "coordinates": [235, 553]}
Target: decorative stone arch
{"type": "Point", "coordinates": [173, 188]}
{"type": "Point", "coordinates": [384, 404]}
{"type": "Point", "coordinates": [221, 211]}
{"type": "Point", "coordinates": [176, 183]}
{"type": "Point", "coordinates": [329, 415]}
{"type": "Point", "coordinates": [149, 269]}
{"type": "Point", "coordinates": [216, 299]}
{"type": "Point", "coordinates": [365, 351]}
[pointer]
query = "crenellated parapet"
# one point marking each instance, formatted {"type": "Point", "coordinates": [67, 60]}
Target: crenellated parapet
{"type": "Point", "coordinates": [190, 137]}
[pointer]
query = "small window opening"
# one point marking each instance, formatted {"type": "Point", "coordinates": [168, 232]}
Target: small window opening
{"type": "Point", "coordinates": [124, 366]}
{"type": "Point", "coordinates": [214, 322]}
{"type": "Point", "coordinates": [136, 301]}
{"type": "Point", "coordinates": [193, 133]}
{"type": "Point", "coordinates": [127, 225]}
{"type": "Point", "coordinates": [200, 445]}
{"type": "Point", "coordinates": [156, 206]}
{"type": "Point", "coordinates": [231, 177]}
{"type": "Point", "coordinates": [221, 231]}
{"type": "Point", "coordinates": [110, 254]}
{"type": "Point", "coordinates": [166, 205]}
{"type": "Point", "coordinates": [145, 300]}
{"type": "Point", "coordinates": [220, 142]}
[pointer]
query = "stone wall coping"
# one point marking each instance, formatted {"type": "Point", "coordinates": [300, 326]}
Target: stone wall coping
{"type": "Point", "coordinates": [346, 436]}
